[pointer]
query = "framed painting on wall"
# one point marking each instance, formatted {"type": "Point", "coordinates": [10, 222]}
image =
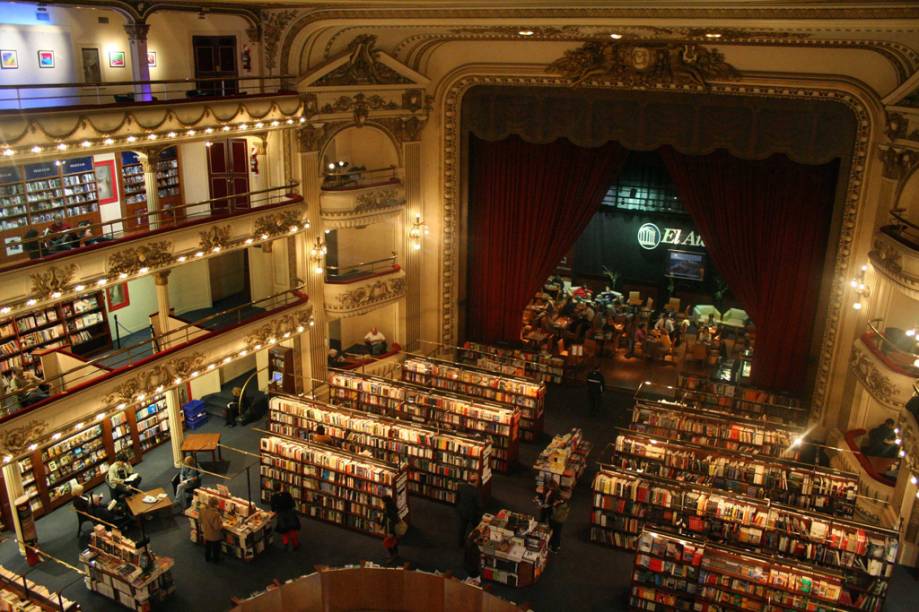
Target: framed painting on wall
{"type": "Point", "coordinates": [106, 182]}
{"type": "Point", "coordinates": [92, 67]}
{"type": "Point", "coordinates": [116, 59]}
{"type": "Point", "coordinates": [117, 297]}
{"type": "Point", "coordinates": [9, 59]}
{"type": "Point", "coordinates": [151, 59]}
{"type": "Point", "coordinates": [46, 59]}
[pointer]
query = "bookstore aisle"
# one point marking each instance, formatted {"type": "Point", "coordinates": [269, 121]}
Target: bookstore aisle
{"type": "Point", "coordinates": [583, 577]}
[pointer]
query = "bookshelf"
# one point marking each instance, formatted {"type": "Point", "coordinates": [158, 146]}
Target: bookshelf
{"type": "Point", "coordinates": [133, 192]}
{"type": "Point", "coordinates": [716, 430]}
{"type": "Point", "coordinates": [672, 572]}
{"type": "Point", "coordinates": [514, 548]}
{"type": "Point", "coordinates": [247, 530]}
{"type": "Point", "coordinates": [417, 404]}
{"type": "Point", "coordinates": [562, 461]}
{"type": "Point", "coordinates": [741, 399]}
{"type": "Point", "coordinates": [626, 502]}
{"type": "Point", "coordinates": [152, 424]}
{"type": "Point", "coordinates": [793, 484]}
{"type": "Point", "coordinates": [330, 484]}
{"type": "Point", "coordinates": [21, 594]}
{"type": "Point", "coordinates": [438, 461]}
{"type": "Point", "coordinates": [169, 186]}
{"type": "Point", "coordinates": [524, 394]}
{"type": "Point", "coordinates": [81, 457]}
{"type": "Point", "coordinates": [541, 367]}
{"type": "Point", "coordinates": [119, 569]}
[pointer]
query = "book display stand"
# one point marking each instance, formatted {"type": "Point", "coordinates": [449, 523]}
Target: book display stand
{"type": "Point", "coordinates": [332, 485]}
{"type": "Point", "coordinates": [438, 461]}
{"type": "Point", "coordinates": [415, 403]}
{"type": "Point", "coordinates": [247, 530]}
{"type": "Point", "coordinates": [514, 548]}
{"type": "Point", "coordinates": [742, 400]}
{"type": "Point", "coordinates": [524, 394]}
{"type": "Point", "coordinates": [563, 461]}
{"type": "Point", "coordinates": [21, 594]}
{"type": "Point", "coordinates": [541, 367]}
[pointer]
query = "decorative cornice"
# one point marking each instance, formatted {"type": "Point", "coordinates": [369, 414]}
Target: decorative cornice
{"type": "Point", "coordinates": [17, 439]}
{"type": "Point", "coordinates": [364, 297]}
{"type": "Point", "coordinates": [279, 223]}
{"type": "Point", "coordinates": [52, 281]}
{"type": "Point", "coordinates": [216, 238]}
{"type": "Point", "coordinates": [360, 105]}
{"type": "Point", "coordinates": [132, 260]}
{"type": "Point", "coordinates": [272, 25]}
{"type": "Point", "coordinates": [152, 381]}
{"type": "Point", "coordinates": [363, 66]}
{"type": "Point", "coordinates": [280, 329]}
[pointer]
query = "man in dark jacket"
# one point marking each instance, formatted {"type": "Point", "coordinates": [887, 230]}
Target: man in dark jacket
{"type": "Point", "coordinates": [596, 384]}
{"type": "Point", "coordinates": [468, 508]}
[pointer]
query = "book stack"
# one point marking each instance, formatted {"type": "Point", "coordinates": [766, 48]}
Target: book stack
{"type": "Point", "coordinates": [742, 400]}
{"type": "Point", "coordinates": [120, 570]}
{"type": "Point", "coordinates": [79, 458]}
{"type": "Point", "coordinates": [807, 487]}
{"type": "Point", "coordinates": [438, 461]}
{"type": "Point", "coordinates": [331, 484]}
{"type": "Point", "coordinates": [247, 529]}
{"type": "Point", "coordinates": [514, 548]}
{"type": "Point", "coordinates": [417, 404]}
{"type": "Point", "coordinates": [18, 593]}
{"type": "Point", "coordinates": [152, 424]}
{"type": "Point", "coordinates": [524, 394]}
{"type": "Point", "coordinates": [542, 367]}
{"type": "Point", "coordinates": [563, 462]}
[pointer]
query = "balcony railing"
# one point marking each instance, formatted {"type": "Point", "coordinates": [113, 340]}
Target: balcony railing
{"type": "Point", "coordinates": [902, 229]}
{"type": "Point", "coordinates": [356, 177]}
{"type": "Point", "coordinates": [56, 95]}
{"type": "Point", "coordinates": [897, 348]}
{"type": "Point", "coordinates": [360, 271]}
{"type": "Point", "coordinates": [75, 239]}
{"type": "Point", "coordinates": [23, 398]}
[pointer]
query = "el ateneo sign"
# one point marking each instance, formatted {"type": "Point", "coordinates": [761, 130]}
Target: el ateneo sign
{"type": "Point", "coordinates": [650, 236]}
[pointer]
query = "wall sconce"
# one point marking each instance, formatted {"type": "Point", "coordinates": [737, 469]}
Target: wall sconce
{"type": "Point", "coordinates": [317, 255]}
{"type": "Point", "coordinates": [417, 233]}
{"type": "Point", "coordinates": [861, 289]}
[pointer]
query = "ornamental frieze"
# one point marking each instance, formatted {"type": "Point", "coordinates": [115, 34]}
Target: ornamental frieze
{"type": "Point", "coordinates": [279, 223]}
{"type": "Point", "coordinates": [366, 296]}
{"type": "Point", "coordinates": [133, 259]}
{"type": "Point", "coordinates": [643, 64]}
{"type": "Point", "coordinates": [379, 198]}
{"type": "Point", "coordinates": [52, 281]}
{"type": "Point", "coordinates": [152, 381]}
{"type": "Point", "coordinates": [360, 106]}
{"type": "Point", "coordinates": [363, 66]}
{"type": "Point", "coordinates": [17, 439]}
{"type": "Point", "coordinates": [215, 238]}
{"type": "Point", "coordinates": [878, 384]}
{"type": "Point", "coordinates": [280, 329]}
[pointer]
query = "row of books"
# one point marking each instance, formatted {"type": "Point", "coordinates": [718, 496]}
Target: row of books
{"type": "Point", "coordinates": [562, 461]}
{"type": "Point", "coordinates": [21, 594]}
{"type": "Point", "coordinates": [744, 400]}
{"type": "Point", "coordinates": [247, 530]}
{"type": "Point", "coordinates": [543, 367]}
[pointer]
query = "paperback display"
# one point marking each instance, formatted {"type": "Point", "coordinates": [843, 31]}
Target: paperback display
{"type": "Point", "coordinates": [247, 530]}
{"type": "Point", "coordinates": [563, 462]}
{"type": "Point", "coordinates": [514, 548]}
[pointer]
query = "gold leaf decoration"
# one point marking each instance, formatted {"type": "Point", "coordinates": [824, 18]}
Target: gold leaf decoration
{"type": "Point", "coordinates": [52, 280]}
{"type": "Point", "coordinates": [363, 66]}
{"type": "Point", "coordinates": [276, 329]}
{"type": "Point", "coordinates": [215, 237]}
{"type": "Point", "coordinates": [279, 223]}
{"type": "Point", "coordinates": [160, 376]}
{"type": "Point", "coordinates": [151, 255]}
{"type": "Point", "coordinates": [16, 440]}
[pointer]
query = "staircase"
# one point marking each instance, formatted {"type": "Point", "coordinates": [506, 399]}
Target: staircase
{"type": "Point", "coordinates": [216, 403]}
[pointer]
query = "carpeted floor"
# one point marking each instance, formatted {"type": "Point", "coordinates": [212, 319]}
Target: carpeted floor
{"type": "Point", "coordinates": [582, 577]}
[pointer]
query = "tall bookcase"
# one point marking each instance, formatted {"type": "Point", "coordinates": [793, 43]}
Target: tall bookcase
{"type": "Point", "coordinates": [331, 484]}
{"type": "Point", "coordinates": [716, 430]}
{"type": "Point", "coordinates": [438, 461]}
{"type": "Point", "coordinates": [681, 573]}
{"type": "Point", "coordinates": [416, 404]}
{"type": "Point", "coordinates": [541, 367]}
{"type": "Point", "coordinates": [524, 394]}
{"type": "Point", "coordinates": [169, 186]}
{"type": "Point", "coordinates": [625, 502]}
{"type": "Point", "coordinates": [133, 192]}
{"type": "Point", "coordinates": [793, 484]}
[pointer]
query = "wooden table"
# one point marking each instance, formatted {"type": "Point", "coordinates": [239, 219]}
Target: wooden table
{"type": "Point", "coordinates": [138, 507]}
{"type": "Point", "coordinates": [202, 443]}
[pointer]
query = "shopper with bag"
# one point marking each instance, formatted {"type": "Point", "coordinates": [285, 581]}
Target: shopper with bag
{"type": "Point", "coordinates": [288, 525]}
{"type": "Point", "coordinates": [560, 511]}
{"type": "Point", "coordinates": [393, 528]}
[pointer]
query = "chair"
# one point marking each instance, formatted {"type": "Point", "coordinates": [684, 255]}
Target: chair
{"type": "Point", "coordinates": [634, 298]}
{"type": "Point", "coordinates": [673, 305]}
{"type": "Point", "coordinates": [81, 506]}
{"type": "Point", "coordinates": [701, 312]}
{"type": "Point", "coordinates": [735, 318]}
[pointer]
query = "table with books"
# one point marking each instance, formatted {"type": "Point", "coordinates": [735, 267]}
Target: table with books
{"type": "Point", "coordinates": [514, 548]}
{"type": "Point", "coordinates": [247, 529]}
{"type": "Point", "coordinates": [562, 461]}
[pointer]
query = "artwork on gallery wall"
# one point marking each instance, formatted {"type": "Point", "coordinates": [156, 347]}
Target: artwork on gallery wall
{"type": "Point", "coordinates": [92, 67]}
{"type": "Point", "coordinates": [46, 59]}
{"type": "Point", "coordinates": [9, 59]}
{"type": "Point", "coordinates": [116, 59]}
{"type": "Point", "coordinates": [151, 59]}
{"type": "Point", "coordinates": [117, 296]}
{"type": "Point", "coordinates": [106, 184]}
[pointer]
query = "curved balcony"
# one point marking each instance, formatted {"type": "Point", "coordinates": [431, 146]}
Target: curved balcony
{"type": "Point", "coordinates": [358, 197]}
{"type": "Point", "coordinates": [884, 361]}
{"type": "Point", "coordinates": [355, 290]}
{"type": "Point", "coordinates": [895, 254]}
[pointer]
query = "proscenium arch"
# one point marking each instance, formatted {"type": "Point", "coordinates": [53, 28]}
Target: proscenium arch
{"type": "Point", "coordinates": [338, 129]}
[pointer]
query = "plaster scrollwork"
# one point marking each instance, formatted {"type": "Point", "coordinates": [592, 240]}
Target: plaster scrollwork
{"type": "Point", "coordinates": [404, 129]}
{"type": "Point", "coordinates": [360, 106]}
{"type": "Point", "coordinates": [312, 136]}
{"type": "Point", "coordinates": [15, 440]}
{"type": "Point", "coordinates": [280, 329]}
{"type": "Point", "coordinates": [886, 256]}
{"type": "Point", "coordinates": [896, 126]}
{"type": "Point", "coordinates": [643, 64]}
{"type": "Point", "coordinates": [279, 223]}
{"type": "Point", "coordinates": [898, 163]}
{"type": "Point", "coordinates": [366, 296]}
{"type": "Point", "coordinates": [152, 381]}
{"type": "Point", "coordinates": [216, 237]}
{"type": "Point", "coordinates": [51, 281]}
{"type": "Point", "coordinates": [272, 25]}
{"type": "Point", "coordinates": [131, 260]}
{"type": "Point", "coordinates": [363, 66]}
{"type": "Point", "coordinates": [876, 382]}
{"type": "Point", "coordinates": [378, 198]}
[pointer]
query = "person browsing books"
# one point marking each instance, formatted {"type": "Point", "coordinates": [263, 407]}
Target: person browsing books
{"type": "Point", "coordinates": [211, 530]}
{"type": "Point", "coordinates": [468, 507]}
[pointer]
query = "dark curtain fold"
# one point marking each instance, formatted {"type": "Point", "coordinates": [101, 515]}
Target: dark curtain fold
{"type": "Point", "coordinates": [528, 203]}
{"type": "Point", "coordinates": [765, 224]}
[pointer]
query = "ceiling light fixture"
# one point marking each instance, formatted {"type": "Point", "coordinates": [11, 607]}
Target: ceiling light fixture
{"type": "Point", "coordinates": [615, 36]}
{"type": "Point", "coordinates": [712, 35]}
{"type": "Point", "coordinates": [526, 32]}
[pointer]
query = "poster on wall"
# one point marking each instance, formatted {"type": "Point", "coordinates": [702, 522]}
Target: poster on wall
{"type": "Point", "coordinates": [117, 296]}
{"type": "Point", "coordinates": [92, 68]}
{"type": "Point", "coordinates": [46, 59]}
{"type": "Point", "coordinates": [116, 59]}
{"type": "Point", "coordinates": [151, 59]}
{"type": "Point", "coordinates": [106, 184]}
{"type": "Point", "coordinates": [9, 59]}
{"type": "Point", "coordinates": [13, 246]}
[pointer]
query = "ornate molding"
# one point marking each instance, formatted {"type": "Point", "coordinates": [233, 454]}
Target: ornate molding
{"type": "Point", "coordinates": [887, 257]}
{"type": "Point", "coordinates": [312, 136]}
{"type": "Point", "coordinates": [272, 25]}
{"type": "Point", "coordinates": [280, 329]}
{"type": "Point", "coordinates": [357, 298]}
{"type": "Point", "coordinates": [17, 439]}
{"type": "Point", "coordinates": [132, 259]}
{"type": "Point", "coordinates": [379, 198]}
{"type": "Point", "coordinates": [643, 64]}
{"type": "Point", "coordinates": [405, 129]}
{"type": "Point", "coordinates": [279, 223]}
{"type": "Point", "coordinates": [898, 163]}
{"type": "Point", "coordinates": [363, 66]}
{"type": "Point", "coordinates": [52, 280]}
{"type": "Point", "coordinates": [155, 380]}
{"type": "Point", "coordinates": [137, 31]}
{"type": "Point", "coordinates": [875, 382]}
{"type": "Point", "coordinates": [360, 105]}
{"type": "Point", "coordinates": [215, 238]}
{"type": "Point", "coordinates": [896, 126]}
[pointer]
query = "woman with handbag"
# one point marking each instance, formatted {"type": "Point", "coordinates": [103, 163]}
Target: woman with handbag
{"type": "Point", "coordinates": [557, 518]}
{"type": "Point", "coordinates": [393, 528]}
{"type": "Point", "coordinates": [288, 525]}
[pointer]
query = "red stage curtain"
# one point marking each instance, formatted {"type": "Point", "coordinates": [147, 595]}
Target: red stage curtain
{"type": "Point", "coordinates": [765, 224]}
{"type": "Point", "coordinates": [528, 203]}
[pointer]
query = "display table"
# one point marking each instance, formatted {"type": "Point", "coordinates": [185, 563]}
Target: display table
{"type": "Point", "coordinates": [117, 568]}
{"type": "Point", "coordinates": [202, 443]}
{"type": "Point", "coordinates": [514, 548]}
{"type": "Point", "coordinates": [21, 594]}
{"type": "Point", "coordinates": [562, 461]}
{"type": "Point", "coordinates": [139, 508]}
{"type": "Point", "coordinates": [246, 529]}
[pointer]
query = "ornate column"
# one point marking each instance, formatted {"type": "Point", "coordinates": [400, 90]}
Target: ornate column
{"type": "Point", "coordinates": [12, 480]}
{"type": "Point", "coordinates": [175, 417]}
{"type": "Point", "coordinates": [161, 281]}
{"type": "Point", "coordinates": [140, 70]}
{"type": "Point", "coordinates": [148, 158]}
{"type": "Point", "coordinates": [414, 206]}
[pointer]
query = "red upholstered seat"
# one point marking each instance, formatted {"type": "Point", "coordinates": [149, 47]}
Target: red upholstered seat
{"type": "Point", "coordinates": [875, 466]}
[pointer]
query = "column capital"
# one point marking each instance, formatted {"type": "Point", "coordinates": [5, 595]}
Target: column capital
{"type": "Point", "coordinates": [161, 278]}
{"type": "Point", "coordinates": [137, 31]}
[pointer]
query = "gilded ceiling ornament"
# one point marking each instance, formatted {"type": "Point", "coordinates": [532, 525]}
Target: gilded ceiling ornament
{"type": "Point", "coordinates": [53, 280]}
{"type": "Point", "coordinates": [877, 383]}
{"type": "Point", "coordinates": [279, 223]}
{"type": "Point", "coordinates": [272, 25]}
{"type": "Point", "coordinates": [379, 198]}
{"type": "Point", "coordinates": [280, 329]}
{"type": "Point", "coordinates": [215, 238]}
{"type": "Point", "coordinates": [360, 105]}
{"type": "Point", "coordinates": [131, 260]}
{"type": "Point", "coordinates": [404, 129]}
{"type": "Point", "coordinates": [898, 163]}
{"type": "Point", "coordinates": [643, 64]}
{"type": "Point", "coordinates": [153, 380]}
{"type": "Point", "coordinates": [896, 126]}
{"type": "Point", "coordinates": [16, 440]}
{"type": "Point", "coordinates": [363, 66]}
{"type": "Point", "coordinates": [365, 296]}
